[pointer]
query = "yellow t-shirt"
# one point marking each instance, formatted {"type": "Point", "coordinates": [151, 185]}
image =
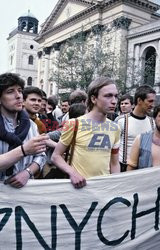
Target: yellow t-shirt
{"type": "Point", "coordinates": [94, 142]}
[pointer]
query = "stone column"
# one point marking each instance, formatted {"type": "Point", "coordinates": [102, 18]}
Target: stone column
{"type": "Point", "coordinates": [157, 67]}
{"type": "Point", "coordinates": [97, 32]}
{"type": "Point", "coordinates": [56, 47]}
{"type": "Point", "coordinates": [137, 64]}
{"type": "Point", "coordinates": [46, 69]}
{"type": "Point", "coordinates": [39, 54]}
{"type": "Point", "coordinates": [137, 55]}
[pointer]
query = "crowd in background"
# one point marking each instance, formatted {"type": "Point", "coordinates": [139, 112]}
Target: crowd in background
{"type": "Point", "coordinates": [88, 134]}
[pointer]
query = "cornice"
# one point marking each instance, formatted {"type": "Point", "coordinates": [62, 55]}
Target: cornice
{"type": "Point", "coordinates": [99, 7]}
{"type": "Point", "coordinates": [147, 5]}
{"type": "Point", "coordinates": [142, 33]}
{"type": "Point", "coordinates": [58, 7]}
{"type": "Point", "coordinates": [68, 22]}
{"type": "Point", "coordinates": [16, 31]}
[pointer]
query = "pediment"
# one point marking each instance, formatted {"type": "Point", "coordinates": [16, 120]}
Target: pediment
{"type": "Point", "coordinates": [64, 10]}
{"type": "Point", "coordinates": [70, 10]}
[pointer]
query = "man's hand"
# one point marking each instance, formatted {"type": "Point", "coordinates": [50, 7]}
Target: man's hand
{"type": "Point", "coordinates": [36, 145]}
{"type": "Point", "coordinates": [77, 180]}
{"type": "Point", "coordinates": [18, 180]}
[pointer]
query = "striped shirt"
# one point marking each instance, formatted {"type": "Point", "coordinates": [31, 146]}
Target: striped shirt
{"type": "Point", "coordinates": [136, 126]}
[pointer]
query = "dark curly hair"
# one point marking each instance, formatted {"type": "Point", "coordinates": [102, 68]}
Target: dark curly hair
{"type": "Point", "coordinates": [10, 79]}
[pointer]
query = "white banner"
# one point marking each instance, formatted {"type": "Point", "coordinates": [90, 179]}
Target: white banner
{"type": "Point", "coordinates": [120, 211]}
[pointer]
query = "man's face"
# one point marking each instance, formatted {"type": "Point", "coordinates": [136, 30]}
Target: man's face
{"type": "Point", "coordinates": [125, 106]}
{"type": "Point", "coordinates": [157, 121]}
{"type": "Point", "coordinates": [107, 99]}
{"type": "Point", "coordinates": [49, 108]}
{"type": "Point", "coordinates": [33, 103]}
{"type": "Point", "coordinates": [12, 99]}
{"type": "Point", "coordinates": [64, 107]}
{"type": "Point", "coordinates": [43, 107]}
{"type": "Point", "coordinates": [148, 104]}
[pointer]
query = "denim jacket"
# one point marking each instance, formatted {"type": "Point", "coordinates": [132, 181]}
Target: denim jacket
{"type": "Point", "coordinates": [145, 156]}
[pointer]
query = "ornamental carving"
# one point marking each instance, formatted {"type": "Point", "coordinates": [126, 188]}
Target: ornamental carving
{"type": "Point", "coordinates": [122, 23]}
{"type": "Point", "coordinates": [39, 53]}
{"type": "Point", "coordinates": [96, 29]}
{"type": "Point", "coordinates": [47, 50]}
{"type": "Point", "coordinates": [56, 46]}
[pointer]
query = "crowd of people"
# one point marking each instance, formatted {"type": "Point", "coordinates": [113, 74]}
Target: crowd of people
{"type": "Point", "coordinates": [93, 134]}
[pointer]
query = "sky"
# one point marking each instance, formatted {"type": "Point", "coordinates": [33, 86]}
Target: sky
{"type": "Point", "coordinates": [11, 10]}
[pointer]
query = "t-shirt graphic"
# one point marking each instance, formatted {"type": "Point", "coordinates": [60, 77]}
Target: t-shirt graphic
{"type": "Point", "coordinates": [99, 142]}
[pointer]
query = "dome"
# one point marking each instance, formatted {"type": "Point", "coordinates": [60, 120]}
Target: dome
{"type": "Point", "coordinates": [28, 23]}
{"type": "Point", "coordinates": [28, 14]}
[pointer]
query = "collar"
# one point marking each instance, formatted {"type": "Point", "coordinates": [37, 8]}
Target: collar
{"type": "Point", "coordinates": [138, 117]}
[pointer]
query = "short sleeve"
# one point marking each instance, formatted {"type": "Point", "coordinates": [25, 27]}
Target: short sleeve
{"type": "Point", "coordinates": [117, 138]}
{"type": "Point", "coordinates": [67, 132]}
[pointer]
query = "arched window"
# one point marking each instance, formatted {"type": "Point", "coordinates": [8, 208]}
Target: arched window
{"type": "Point", "coordinates": [149, 66]}
{"type": "Point", "coordinates": [30, 60]}
{"type": "Point", "coordinates": [29, 81]}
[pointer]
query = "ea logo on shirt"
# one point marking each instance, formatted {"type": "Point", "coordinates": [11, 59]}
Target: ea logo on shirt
{"type": "Point", "coordinates": [99, 141]}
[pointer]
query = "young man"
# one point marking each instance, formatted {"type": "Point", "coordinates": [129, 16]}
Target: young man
{"type": "Point", "coordinates": [32, 103]}
{"type": "Point", "coordinates": [65, 109]}
{"type": "Point", "coordinates": [49, 119]}
{"type": "Point", "coordinates": [78, 96]}
{"type": "Point", "coordinates": [51, 172]}
{"type": "Point", "coordinates": [126, 104]}
{"type": "Point", "coordinates": [15, 129]}
{"type": "Point", "coordinates": [136, 122]}
{"type": "Point", "coordinates": [97, 139]}
{"type": "Point", "coordinates": [146, 147]}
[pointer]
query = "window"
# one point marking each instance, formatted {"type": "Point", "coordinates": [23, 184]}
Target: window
{"type": "Point", "coordinates": [29, 81]}
{"type": "Point", "coordinates": [30, 60]}
{"type": "Point", "coordinates": [149, 67]}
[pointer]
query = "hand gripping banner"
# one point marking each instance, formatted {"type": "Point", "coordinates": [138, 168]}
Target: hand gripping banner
{"type": "Point", "coordinates": [120, 211]}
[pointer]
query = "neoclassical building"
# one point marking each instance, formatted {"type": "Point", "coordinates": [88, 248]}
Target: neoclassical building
{"type": "Point", "coordinates": [129, 29]}
{"type": "Point", "coordinates": [22, 49]}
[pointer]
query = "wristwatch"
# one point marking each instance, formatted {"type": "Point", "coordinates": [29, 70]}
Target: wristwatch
{"type": "Point", "coordinates": [30, 172]}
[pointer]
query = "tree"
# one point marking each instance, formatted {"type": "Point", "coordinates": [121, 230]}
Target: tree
{"type": "Point", "coordinates": [81, 59]}
{"type": "Point", "coordinates": [96, 52]}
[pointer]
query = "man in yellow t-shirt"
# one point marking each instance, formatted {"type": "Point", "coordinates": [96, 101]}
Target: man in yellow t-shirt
{"type": "Point", "coordinates": [97, 140]}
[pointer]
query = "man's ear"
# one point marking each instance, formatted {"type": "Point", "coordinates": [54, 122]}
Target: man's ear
{"type": "Point", "coordinates": [139, 100]}
{"type": "Point", "coordinates": [93, 99]}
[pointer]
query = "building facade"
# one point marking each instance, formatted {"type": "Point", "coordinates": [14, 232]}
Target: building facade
{"type": "Point", "coordinates": [128, 30]}
{"type": "Point", "coordinates": [22, 55]}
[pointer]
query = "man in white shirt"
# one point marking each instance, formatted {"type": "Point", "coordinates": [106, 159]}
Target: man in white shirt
{"type": "Point", "coordinates": [136, 122]}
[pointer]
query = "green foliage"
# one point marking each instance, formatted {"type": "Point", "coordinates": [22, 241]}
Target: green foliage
{"type": "Point", "coordinates": [84, 56]}
{"type": "Point", "coordinates": [79, 62]}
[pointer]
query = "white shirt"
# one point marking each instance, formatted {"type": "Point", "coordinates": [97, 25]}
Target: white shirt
{"type": "Point", "coordinates": [136, 126]}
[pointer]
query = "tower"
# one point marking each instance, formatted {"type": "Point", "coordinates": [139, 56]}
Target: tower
{"type": "Point", "coordinates": [22, 49]}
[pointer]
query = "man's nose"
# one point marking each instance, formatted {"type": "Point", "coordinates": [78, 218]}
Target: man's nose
{"type": "Point", "coordinates": [37, 102]}
{"type": "Point", "coordinates": [114, 99]}
{"type": "Point", "coordinates": [18, 94]}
